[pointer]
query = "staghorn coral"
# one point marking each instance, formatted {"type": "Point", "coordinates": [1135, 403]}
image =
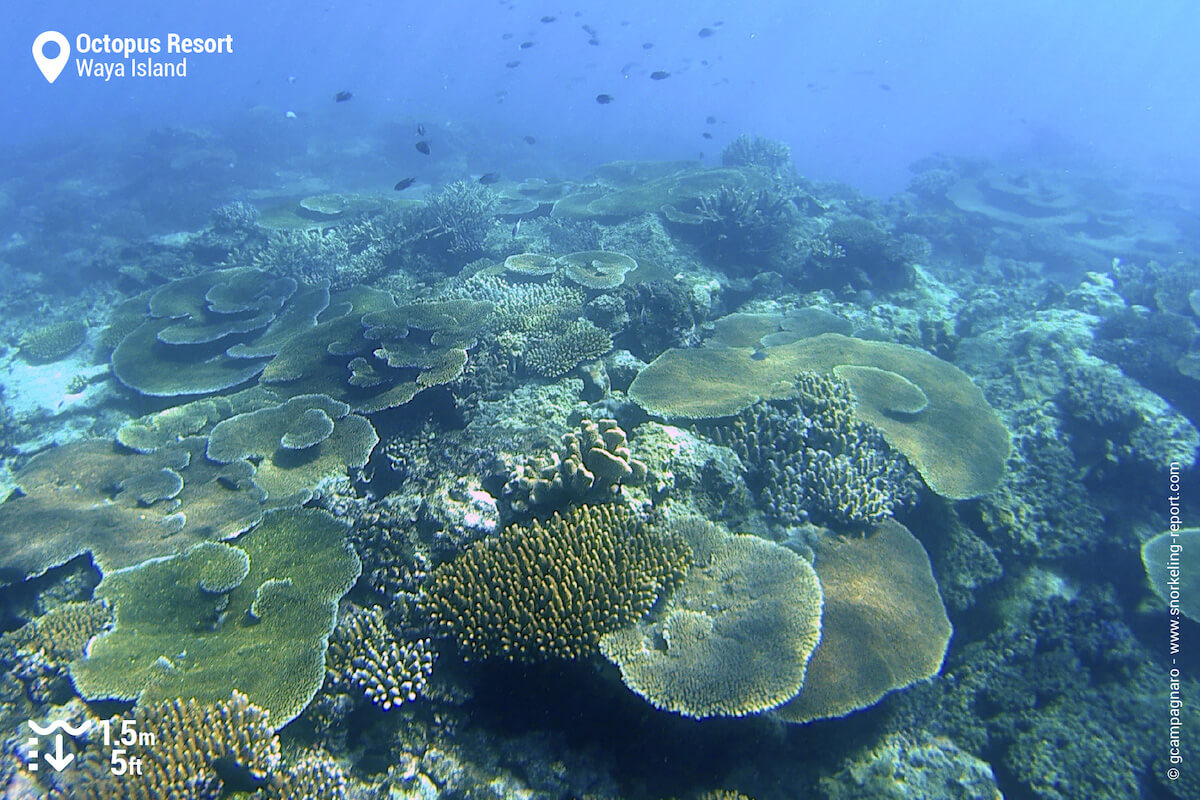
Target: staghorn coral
{"type": "Point", "coordinates": [592, 463]}
{"type": "Point", "coordinates": [320, 255]}
{"type": "Point", "coordinates": [552, 589]}
{"type": "Point", "coordinates": [809, 458]}
{"type": "Point", "coordinates": [738, 227]}
{"type": "Point", "coordinates": [366, 654]}
{"type": "Point", "coordinates": [733, 639]}
{"type": "Point", "coordinates": [236, 217]}
{"type": "Point", "coordinates": [265, 634]}
{"type": "Point", "coordinates": [52, 342]}
{"type": "Point", "coordinates": [455, 221]}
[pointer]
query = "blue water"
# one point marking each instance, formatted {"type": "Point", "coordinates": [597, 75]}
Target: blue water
{"type": "Point", "coordinates": [1108, 81]}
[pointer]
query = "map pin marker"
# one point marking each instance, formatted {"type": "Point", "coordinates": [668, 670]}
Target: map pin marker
{"type": "Point", "coordinates": [51, 67]}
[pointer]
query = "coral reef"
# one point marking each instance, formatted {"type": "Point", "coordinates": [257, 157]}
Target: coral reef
{"type": "Point", "coordinates": [552, 589]}
{"type": "Point", "coordinates": [901, 768]}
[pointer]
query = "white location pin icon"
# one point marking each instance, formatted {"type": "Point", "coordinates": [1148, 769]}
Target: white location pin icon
{"type": "Point", "coordinates": [51, 67]}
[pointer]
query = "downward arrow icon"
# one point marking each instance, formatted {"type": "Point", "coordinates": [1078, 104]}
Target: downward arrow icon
{"type": "Point", "coordinates": [57, 759]}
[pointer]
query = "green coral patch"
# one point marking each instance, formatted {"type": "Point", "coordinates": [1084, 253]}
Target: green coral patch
{"type": "Point", "coordinates": [297, 445]}
{"type": "Point", "coordinates": [123, 508]}
{"type": "Point", "coordinates": [178, 635]}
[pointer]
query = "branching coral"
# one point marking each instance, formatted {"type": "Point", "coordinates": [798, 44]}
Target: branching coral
{"type": "Point", "coordinates": [552, 589]}
{"type": "Point", "coordinates": [455, 221]}
{"type": "Point", "coordinates": [809, 458]}
{"type": "Point", "coordinates": [755, 151]}
{"type": "Point", "coordinates": [365, 653]}
{"type": "Point", "coordinates": [738, 227]}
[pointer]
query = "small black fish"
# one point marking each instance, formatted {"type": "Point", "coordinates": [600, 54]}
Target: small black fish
{"type": "Point", "coordinates": [548, 19]}
{"type": "Point", "coordinates": [237, 777]}
{"type": "Point", "coordinates": [710, 120]}
{"type": "Point", "coordinates": [706, 135]}
{"type": "Point", "coordinates": [404, 184]}
{"type": "Point", "coordinates": [423, 147]}
{"type": "Point", "coordinates": [659, 75]}
{"type": "Point", "coordinates": [530, 140]}
{"type": "Point", "coordinates": [589, 29]}
{"type": "Point", "coordinates": [513, 64]}
{"type": "Point", "coordinates": [647, 45]}
{"type": "Point", "coordinates": [704, 33]}
{"type": "Point", "coordinates": [342, 97]}
{"type": "Point", "coordinates": [527, 45]}
{"type": "Point", "coordinates": [885, 87]}
{"type": "Point", "coordinates": [489, 178]}
{"type": "Point", "coordinates": [420, 129]}
{"type": "Point", "coordinates": [604, 99]}
{"type": "Point", "coordinates": [594, 42]}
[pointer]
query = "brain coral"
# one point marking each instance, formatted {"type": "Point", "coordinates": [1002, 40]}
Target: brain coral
{"type": "Point", "coordinates": [884, 626]}
{"type": "Point", "coordinates": [957, 442]}
{"type": "Point", "coordinates": [733, 639]}
{"type": "Point", "coordinates": [553, 588]}
{"type": "Point", "coordinates": [265, 634]}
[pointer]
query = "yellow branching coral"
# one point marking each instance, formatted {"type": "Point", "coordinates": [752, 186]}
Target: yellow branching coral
{"type": "Point", "coordinates": [552, 589]}
{"type": "Point", "coordinates": [200, 750]}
